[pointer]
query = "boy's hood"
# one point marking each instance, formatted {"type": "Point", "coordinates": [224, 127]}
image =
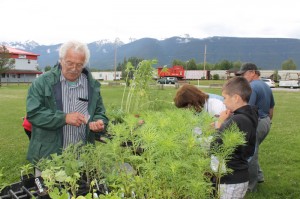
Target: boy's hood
{"type": "Point", "coordinates": [249, 111]}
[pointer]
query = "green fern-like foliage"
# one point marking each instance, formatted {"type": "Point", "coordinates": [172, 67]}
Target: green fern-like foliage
{"type": "Point", "coordinates": [172, 164]}
{"type": "Point", "coordinates": [138, 94]}
{"type": "Point", "coordinates": [163, 157]}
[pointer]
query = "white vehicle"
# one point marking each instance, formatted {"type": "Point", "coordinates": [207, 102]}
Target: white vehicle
{"type": "Point", "coordinates": [292, 80]}
{"type": "Point", "coordinates": [289, 83]}
{"type": "Point", "coordinates": [167, 80]}
{"type": "Point", "coordinates": [269, 82]}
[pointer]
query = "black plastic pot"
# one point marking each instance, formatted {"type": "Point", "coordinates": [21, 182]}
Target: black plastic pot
{"type": "Point", "coordinates": [4, 191]}
{"type": "Point", "coordinates": [25, 189]}
{"type": "Point", "coordinates": [28, 181]}
{"type": "Point", "coordinates": [4, 194]}
{"type": "Point", "coordinates": [102, 189]}
{"type": "Point", "coordinates": [43, 195]}
{"type": "Point", "coordinates": [83, 188]}
{"type": "Point", "coordinates": [12, 191]}
{"type": "Point", "coordinates": [23, 193]}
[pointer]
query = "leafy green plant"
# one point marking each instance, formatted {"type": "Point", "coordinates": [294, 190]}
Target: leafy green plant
{"type": "Point", "coordinates": [129, 70]}
{"type": "Point", "coordinates": [231, 138]}
{"type": "Point", "coordinates": [115, 114]}
{"type": "Point", "coordinates": [138, 93]}
{"type": "Point", "coordinates": [53, 179]}
{"type": "Point", "coordinates": [2, 183]}
{"type": "Point", "coordinates": [27, 169]}
{"type": "Point", "coordinates": [76, 165]}
{"type": "Point", "coordinates": [71, 184]}
{"type": "Point", "coordinates": [173, 163]}
{"type": "Point", "coordinates": [59, 184]}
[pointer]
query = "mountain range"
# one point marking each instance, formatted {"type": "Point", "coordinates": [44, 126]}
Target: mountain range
{"type": "Point", "coordinates": [267, 53]}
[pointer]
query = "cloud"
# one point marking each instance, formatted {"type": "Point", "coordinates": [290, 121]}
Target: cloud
{"type": "Point", "coordinates": [56, 21]}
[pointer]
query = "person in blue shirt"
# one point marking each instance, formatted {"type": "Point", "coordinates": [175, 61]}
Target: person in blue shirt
{"type": "Point", "coordinates": [262, 98]}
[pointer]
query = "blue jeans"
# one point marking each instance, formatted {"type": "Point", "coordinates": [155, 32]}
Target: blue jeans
{"type": "Point", "coordinates": [255, 173]}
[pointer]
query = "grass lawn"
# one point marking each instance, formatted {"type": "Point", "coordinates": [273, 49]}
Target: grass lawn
{"type": "Point", "coordinates": [279, 153]}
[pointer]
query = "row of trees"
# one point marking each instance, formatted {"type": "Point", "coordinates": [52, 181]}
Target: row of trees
{"type": "Point", "coordinates": [192, 65]}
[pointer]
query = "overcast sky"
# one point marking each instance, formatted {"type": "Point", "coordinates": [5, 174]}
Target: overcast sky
{"type": "Point", "coordinates": [56, 21]}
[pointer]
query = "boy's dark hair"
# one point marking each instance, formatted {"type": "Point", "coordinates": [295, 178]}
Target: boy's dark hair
{"type": "Point", "coordinates": [239, 86]}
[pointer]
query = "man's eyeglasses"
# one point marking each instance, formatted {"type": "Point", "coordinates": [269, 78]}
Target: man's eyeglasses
{"type": "Point", "coordinates": [70, 64]}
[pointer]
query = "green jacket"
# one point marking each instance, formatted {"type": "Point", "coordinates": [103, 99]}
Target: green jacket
{"type": "Point", "coordinates": [45, 112]}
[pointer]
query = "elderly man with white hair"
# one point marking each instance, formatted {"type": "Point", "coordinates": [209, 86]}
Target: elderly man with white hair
{"type": "Point", "coordinates": [64, 105]}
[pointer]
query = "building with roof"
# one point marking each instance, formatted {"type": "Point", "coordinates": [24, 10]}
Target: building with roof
{"type": "Point", "coordinates": [25, 69]}
{"type": "Point", "coordinates": [107, 75]}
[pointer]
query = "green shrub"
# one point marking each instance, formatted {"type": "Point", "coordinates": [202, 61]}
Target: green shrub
{"type": "Point", "coordinates": [216, 77]}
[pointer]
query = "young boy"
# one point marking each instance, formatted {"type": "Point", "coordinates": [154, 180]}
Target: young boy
{"type": "Point", "coordinates": [236, 93]}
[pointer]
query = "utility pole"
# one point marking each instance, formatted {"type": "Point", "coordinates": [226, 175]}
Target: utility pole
{"type": "Point", "coordinates": [204, 62]}
{"type": "Point", "coordinates": [186, 68]}
{"type": "Point", "coordinates": [116, 45]}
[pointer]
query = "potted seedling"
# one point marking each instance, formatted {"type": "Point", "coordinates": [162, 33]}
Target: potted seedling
{"type": "Point", "coordinates": [27, 178]}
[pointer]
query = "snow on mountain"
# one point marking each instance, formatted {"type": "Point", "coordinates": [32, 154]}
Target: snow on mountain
{"type": "Point", "coordinates": [103, 42]}
{"type": "Point", "coordinates": [27, 45]}
{"type": "Point", "coordinates": [267, 53]}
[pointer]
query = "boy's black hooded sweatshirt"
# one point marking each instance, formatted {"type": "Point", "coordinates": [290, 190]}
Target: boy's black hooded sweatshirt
{"type": "Point", "coordinates": [246, 118]}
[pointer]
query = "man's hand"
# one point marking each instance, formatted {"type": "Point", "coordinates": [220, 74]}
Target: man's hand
{"type": "Point", "coordinates": [75, 119]}
{"type": "Point", "coordinates": [96, 126]}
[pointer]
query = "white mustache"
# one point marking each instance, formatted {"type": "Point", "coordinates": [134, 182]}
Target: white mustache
{"type": "Point", "coordinates": [73, 72]}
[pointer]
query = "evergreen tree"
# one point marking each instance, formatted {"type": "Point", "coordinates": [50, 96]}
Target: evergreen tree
{"type": "Point", "coordinates": [6, 63]}
{"type": "Point", "coordinates": [288, 65]}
